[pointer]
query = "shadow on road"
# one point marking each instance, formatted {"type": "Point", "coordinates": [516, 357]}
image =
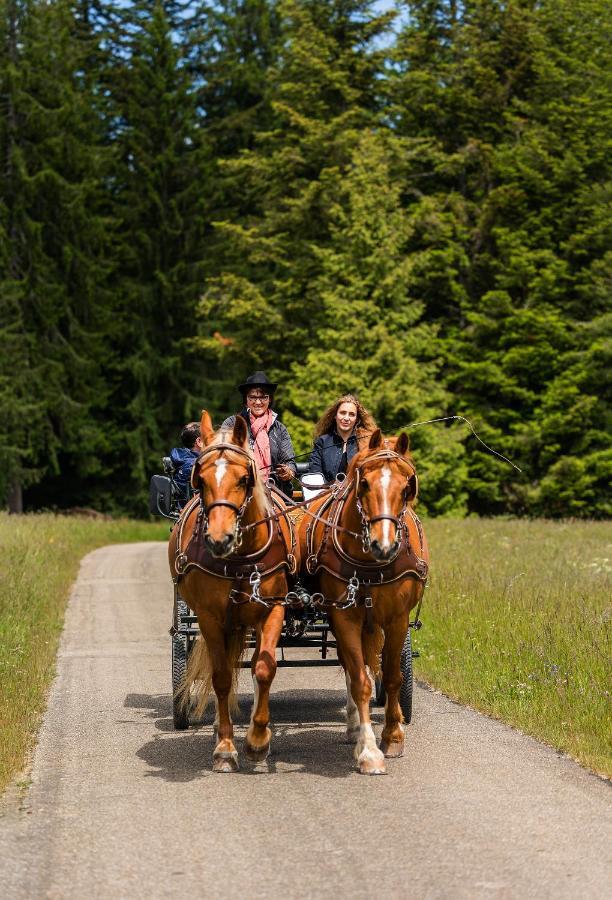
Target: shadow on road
{"type": "Point", "coordinates": [303, 740]}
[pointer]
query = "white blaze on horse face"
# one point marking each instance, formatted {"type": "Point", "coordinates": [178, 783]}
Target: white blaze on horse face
{"type": "Point", "coordinates": [221, 467]}
{"type": "Point", "coordinates": [385, 481]}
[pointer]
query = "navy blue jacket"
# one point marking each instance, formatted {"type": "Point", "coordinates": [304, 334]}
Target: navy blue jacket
{"type": "Point", "coordinates": [183, 460]}
{"type": "Point", "coordinates": [327, 454]}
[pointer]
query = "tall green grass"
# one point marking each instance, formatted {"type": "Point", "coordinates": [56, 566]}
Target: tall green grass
{"type": "Point", "coordinates": [517, 624]}
{"type": "Point", "coordinates": [39, 560]}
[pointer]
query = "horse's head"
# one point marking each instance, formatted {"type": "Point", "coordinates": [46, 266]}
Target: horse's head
{"type": "Point", "coordinates": [224, 474]}
{"type": "Point", "coordinates": [385, 483]}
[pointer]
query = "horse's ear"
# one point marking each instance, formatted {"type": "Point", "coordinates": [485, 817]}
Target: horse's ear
{"type": "Point", "coordinates": [206, 428]}
{"type": "Point", "coordinates": [402, 444]}
{"type": "Point", "coordinates": [375, 440]}
{"type": "Point", "coordinates": [240, 432]}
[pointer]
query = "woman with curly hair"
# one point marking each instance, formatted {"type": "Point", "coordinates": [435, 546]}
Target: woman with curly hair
{"type": "Point", "coordinates": [337, 436]}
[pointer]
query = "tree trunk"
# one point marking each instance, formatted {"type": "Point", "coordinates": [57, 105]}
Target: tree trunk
{"type": "Point", "coordinates": [15, 497]}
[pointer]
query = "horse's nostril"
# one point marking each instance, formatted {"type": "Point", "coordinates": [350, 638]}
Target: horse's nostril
{"type": "Point", "coordinates": [220, 547]}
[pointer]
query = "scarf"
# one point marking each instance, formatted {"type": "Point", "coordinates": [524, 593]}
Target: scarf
{"type": "Point", "coordinates": [260, 425]}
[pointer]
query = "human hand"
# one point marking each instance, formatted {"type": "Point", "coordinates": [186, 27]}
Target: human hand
{"type": "Point", "coordinates": [284, 472]}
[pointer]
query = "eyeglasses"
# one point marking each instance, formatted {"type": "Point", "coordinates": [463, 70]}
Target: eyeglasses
{"type": "Point", "coordinates": [260, 397]}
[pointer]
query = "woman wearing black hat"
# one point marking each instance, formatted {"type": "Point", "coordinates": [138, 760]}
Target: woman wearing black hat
{"type": "Point", "coordinates": [269, 439]}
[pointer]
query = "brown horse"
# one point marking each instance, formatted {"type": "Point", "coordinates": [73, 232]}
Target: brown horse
{"type": "Point", "coordinates": [232, 552]}
{"type": "Point", "coordinates": [370, 558]}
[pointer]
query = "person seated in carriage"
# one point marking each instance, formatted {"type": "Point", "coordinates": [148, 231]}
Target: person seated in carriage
{"type": "Point", "coordinates": [183, 459]}
{"type": "Point", "coordinates": [268, 437]}
{"type": "Point", "coordinates": [337, 436]}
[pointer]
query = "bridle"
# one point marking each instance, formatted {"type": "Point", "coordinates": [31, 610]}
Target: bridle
{"type": "Point", "coordinates": [398, 521]}
{"type": "Point", "coordinates": [239, 510]}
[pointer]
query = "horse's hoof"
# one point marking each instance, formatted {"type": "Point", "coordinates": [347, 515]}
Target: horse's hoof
{"type": "Point", "coordinates": [393, 749]}
{"type": "Point", "coordinates": [255, 754]}
{"type": "Point", "coordinates": [372, 763]}
{"type": "Point", "coordinates": [225, 762]}
{"type": "Point", "coordinates": [352, 735]}
{"type": "Point", "coordinates": [370, 768]}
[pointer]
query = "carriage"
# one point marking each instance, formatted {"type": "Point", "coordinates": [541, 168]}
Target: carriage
{"type": "Point", "coordinates": [305, 628]}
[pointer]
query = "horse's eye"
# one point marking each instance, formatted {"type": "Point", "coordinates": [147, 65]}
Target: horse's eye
{"type": "Point", "coordinates": [243, 481]}
{"type": "Point", "coordinates": [364, 484]}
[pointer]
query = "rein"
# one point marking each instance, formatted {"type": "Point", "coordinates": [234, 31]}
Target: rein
{"type": "Point", "coordinates": [303, 504]}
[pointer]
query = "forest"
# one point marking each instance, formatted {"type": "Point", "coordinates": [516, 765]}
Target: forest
{"type": "Point", "coordinates": [411, 203]}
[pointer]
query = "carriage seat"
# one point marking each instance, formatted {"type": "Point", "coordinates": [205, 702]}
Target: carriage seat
{"type": "Point", "coordinates": [164, 495]}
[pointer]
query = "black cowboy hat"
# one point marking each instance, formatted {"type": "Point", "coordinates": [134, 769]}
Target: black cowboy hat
{"type": "Point", "coordinates": [257, 379]}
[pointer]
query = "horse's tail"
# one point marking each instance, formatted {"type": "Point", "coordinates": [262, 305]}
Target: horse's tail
{"type": "Point", "coordinates": [372, 644]}
{"type": "Point", "coordinates": [195, 691]}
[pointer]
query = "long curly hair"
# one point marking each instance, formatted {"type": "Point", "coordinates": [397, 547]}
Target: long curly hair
{"type": "Point", "coordinates": [365, 423]}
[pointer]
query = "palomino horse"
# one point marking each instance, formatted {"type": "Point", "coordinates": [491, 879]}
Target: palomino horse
{"type": "Point", "coordinates": [367, 549]}
{"type": "Point", "coordinates": [232, 553]}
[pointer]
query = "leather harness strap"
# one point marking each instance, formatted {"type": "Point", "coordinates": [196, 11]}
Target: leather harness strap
{"type": "Point", "coordinates": [272, 557]}
{"type": "Point", "coordinates": [333, 559]}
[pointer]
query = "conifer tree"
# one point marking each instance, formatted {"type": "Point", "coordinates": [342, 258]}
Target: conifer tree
{"type": "Point", "coordinates": [508, 101]}
{"type": "Point", "coordinates": [161, 206]}
{"type": "Point", "coordinates": [371, 340]}
{"type": "Point", "coordinates": [323, 91]}
{"type": "Point", "coordinates": [53, 244]}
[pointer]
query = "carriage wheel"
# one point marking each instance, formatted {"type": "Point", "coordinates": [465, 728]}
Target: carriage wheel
{"type": "Point", "coordinates": [405, 697]}
{"type": "Point", "coordinates": [180, 714]}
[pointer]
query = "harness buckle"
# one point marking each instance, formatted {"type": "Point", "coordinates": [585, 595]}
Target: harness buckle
{"type": "Point", "coordinates": [351, 592]}
{"type": "Point", "coordinates": [422, 568]}
{"type": "Point", "coordinates": [255, 582]}
{"type": "Point", "coordinates": [180, 563]}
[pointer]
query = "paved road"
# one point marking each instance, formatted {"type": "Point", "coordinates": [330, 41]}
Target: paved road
{"type": "Point", "coordinates": [120, 805]}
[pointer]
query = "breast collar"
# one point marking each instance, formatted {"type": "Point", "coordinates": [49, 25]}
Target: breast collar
{"type": "Point", "coordinates": [273, 556]}
{"type": "Point", "coordinates": [332, 558]}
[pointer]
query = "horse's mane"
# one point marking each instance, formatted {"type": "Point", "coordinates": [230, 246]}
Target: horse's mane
{"type": "Point", "coordinates": [224, 436]}
{"type": "Point", "coordinates": [388, 443]}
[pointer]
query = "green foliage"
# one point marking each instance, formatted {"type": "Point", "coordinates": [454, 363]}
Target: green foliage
{"type": "Point", "coordinates": [321, 91]}
{"type": "Point", "coordinates": [517, 624]}
{"type": "Point", "coordinates": [54, 242]}
{"type": "Point", "coordinates": [39, 560]}
{"type": "Point", "coordinates": [415, 207]}
{"type": "Point", "coordinates": [365, 285]}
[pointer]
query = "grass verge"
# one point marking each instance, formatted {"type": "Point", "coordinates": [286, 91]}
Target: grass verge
{"type": "Point", "coordinates": [517, 624]}
{"type": "Point", "coordinates": [39, 560]}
